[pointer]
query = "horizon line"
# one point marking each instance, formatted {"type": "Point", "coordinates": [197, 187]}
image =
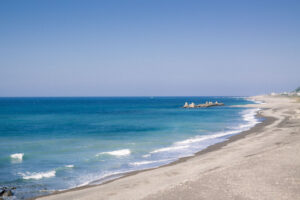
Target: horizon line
{"type": "Point", "coordinates": [125, 96]}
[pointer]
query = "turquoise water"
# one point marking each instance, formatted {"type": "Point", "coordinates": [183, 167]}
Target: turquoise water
{"type": "Point", "coordinates": [49, 144]}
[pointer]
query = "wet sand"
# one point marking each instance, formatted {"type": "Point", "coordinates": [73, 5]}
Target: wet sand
{"type": "Point", "coordinates": [262, 163]}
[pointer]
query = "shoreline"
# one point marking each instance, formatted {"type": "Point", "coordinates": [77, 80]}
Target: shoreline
{"type": "Point", "coordinates": [261, 163]}
{"type": "Point", "coordinates": [267, 121]}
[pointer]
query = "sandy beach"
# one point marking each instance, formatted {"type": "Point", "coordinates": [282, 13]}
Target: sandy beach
{"type": "Point", "coordinates": [262, 163]}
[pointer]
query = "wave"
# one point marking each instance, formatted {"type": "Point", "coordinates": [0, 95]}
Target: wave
{"type": "Point", "coordinates": [188, 147]}
{"type": "Point", "coordinates": [192, 145]}
{"type": "Point", "coordinates": [172, 148]}
{"type": "Point", "coordinates": [105, 176]}
{"type": "Point", "coordinates": [197, 143]}
{"type": "Point", "coordinates": [206, 137]}
{"type": "Point", "coordinates": [38, 175]}
{"type": "Point", "coordinates": [122, 152]}
{"type": "Point", "coordinates": [149, 162]}
{"type": "Point", "coordinates": [146, 155]}
{"type": "Point", "coordinates": [47, 174]}
{"type": "Point", "coordinates": [178, 149]}
{"type": "Point", "coordinates": [17, 157]}
{"type": "Point", "coordinates": [249, 117]}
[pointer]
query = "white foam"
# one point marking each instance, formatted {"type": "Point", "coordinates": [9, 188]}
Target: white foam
{"type": "Point", "coordinates": [17, 156]}
{"type": "Point", "coordinates": [122, 152]}
{"type": "Point", "coordinates": [146, 155]}
{"type": "Point", "coordinates": [84, 184]}
{"type": "Point", "coordinates": [258, 102]}
{"type": "Point", "coordinates": [69, 166]}
{"type": "Point", "coordinates": [105, 176]}
{"type": "Point", "coordinates": [148, 162]}
{"type": "Point", "coordinates": [142, 163]}
{"type": "Point", "coordinates": [181, 148]}
{"type": "Point", "coordinates": [37, 175]}
{"type": "Point", "coordinates": [205, 137]}
{"type": "Point", "coordinates": [247, 115]}
{"type": "Point", "coordinates": [172, 148]}
{"type": "Point", "coordinates": [186, 144]}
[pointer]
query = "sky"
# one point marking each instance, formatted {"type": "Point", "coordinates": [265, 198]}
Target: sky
{"type": "Point", "coordinates": [148, 47]}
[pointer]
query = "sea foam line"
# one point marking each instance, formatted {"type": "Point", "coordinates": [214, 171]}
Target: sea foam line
{"type": "Point", "coordinates": [206, 137]}
{"type": "Point", "coordinates": [148, 162]}
{"type": "Point", "coordinates": [185, 145]}
{"type": "Point", "coordinates": [247, 115]}
{"type": "Point", "coordinates": [122, 152]}
{"type": "Point", "coordinates": [105, 177]}
{"type": "Point", "coordinates": [172, 148]}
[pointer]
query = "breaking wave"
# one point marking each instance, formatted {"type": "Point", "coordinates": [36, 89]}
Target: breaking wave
{"type": "Point", "coordinates": [172, 148]}
{"type": "Point", "coordinates": [38, 175]}
{"type": "Point", "coordinates": [148, 162]}
{"type": "Point", "coordinates": [197, 143]}
{"type": "Point", "coordinates": [122, 152]}
{"type": "Point", "coordinates": [17, 157]}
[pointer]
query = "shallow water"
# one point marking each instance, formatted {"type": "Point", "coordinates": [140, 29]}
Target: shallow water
{"type": "Point", "coordinates": [49, 144]}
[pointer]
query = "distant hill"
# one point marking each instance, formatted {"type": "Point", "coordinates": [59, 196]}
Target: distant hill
{"type": "Point", "coordinates": [298, 89]}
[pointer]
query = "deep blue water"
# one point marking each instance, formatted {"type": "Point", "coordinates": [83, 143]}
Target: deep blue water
{"type": "Point", "coordinates": [49, 144]}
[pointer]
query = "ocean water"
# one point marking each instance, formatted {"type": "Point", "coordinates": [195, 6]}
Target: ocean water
{"type": "Point", "coordinates": [49, 144]}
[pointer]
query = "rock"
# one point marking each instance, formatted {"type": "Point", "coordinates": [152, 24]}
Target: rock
{"type": "Point", "coordinates": [192, 105]}
{"type": "Point", "coordinates": [6, 192]}
{"type": "Point", "coordinates": [186, 105]}
{"type": "Point", "coordinates": [206, 105]}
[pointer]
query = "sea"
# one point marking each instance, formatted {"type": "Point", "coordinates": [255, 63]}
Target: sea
{"type": "Point", "coordinates": [58, 143]}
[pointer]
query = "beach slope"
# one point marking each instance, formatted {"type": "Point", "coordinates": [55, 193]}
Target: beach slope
{"type": "Point", "coordinates": [262, 163]}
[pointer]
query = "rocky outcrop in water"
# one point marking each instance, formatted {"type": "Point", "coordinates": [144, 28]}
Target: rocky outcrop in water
{"type": "Point", "coordinates": [205, 105]}
{"type": "Point", "coordinates": [6, 192]}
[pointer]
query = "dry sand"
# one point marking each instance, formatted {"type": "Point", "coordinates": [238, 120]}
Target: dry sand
{"type": "Point", "coordinates": [263, 163]}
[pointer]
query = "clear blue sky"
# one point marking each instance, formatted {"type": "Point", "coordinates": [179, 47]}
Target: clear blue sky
{"type": "Point", "coordinates": [148, 47]}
